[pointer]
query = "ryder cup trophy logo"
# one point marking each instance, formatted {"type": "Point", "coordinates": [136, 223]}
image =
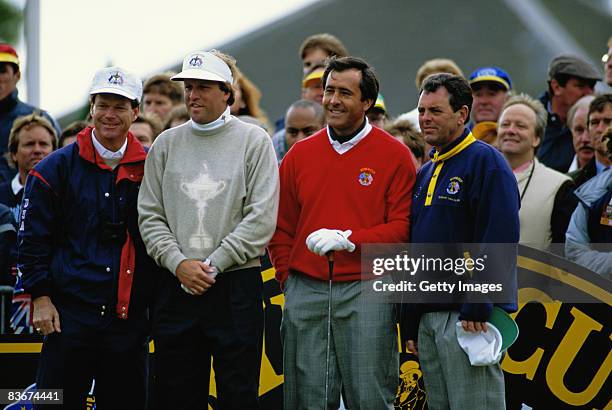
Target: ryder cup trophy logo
{"type": "Point", "coordinates": [202, 190]}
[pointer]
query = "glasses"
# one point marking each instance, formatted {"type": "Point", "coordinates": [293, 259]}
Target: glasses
{"type": "Point", "coordinates": [605, 58]}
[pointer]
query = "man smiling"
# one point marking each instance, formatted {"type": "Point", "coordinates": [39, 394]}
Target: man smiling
{"type": "Point", "coordinates": [82, 259]}
{"type": "Point", "coordinates": [347, 185]}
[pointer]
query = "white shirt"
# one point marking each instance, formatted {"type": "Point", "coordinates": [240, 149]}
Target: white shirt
{"type": "Point", "coordinates": [16, 184]}
{"type": "Point", "coordinates": [574, 165]}
{"type": "Point", "coordinates": [346, 146]}
{"type": "Point", "coordinates": [111, 158]}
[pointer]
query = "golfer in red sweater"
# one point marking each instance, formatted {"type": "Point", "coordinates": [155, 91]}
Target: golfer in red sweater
{"type": "Point", "coordinates": [345, 186]}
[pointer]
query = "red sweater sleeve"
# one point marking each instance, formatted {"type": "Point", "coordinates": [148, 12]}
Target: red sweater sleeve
{"type": "Point", "coordinates": [398, 201]}
{"type": "Point", "coordinates": [281, 243]}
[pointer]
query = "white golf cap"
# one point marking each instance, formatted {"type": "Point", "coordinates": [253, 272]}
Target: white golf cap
{"type": "Point", "coordinates": [204, 65]}
{"type": "Point", "coordinates": [116, 80]}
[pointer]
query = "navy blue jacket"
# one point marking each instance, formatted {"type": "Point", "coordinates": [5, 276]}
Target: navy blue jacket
{"type": "Point", "coordinates": [8, 233]}
{"type": "Point", "coordinates": [557, 149]}
{"type": "Point", "coordinates": [71, 198]}
{"type": "Point", "coordinates": [10, 109]}
{"type": "Point", "coordinates": [475, 200]}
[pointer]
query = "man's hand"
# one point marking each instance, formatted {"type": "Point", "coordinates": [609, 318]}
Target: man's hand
{"type": "Point", "coordinates": [412, 347]}
{"type": "Point", "coordinates": [194, 275]}
{"type": "Point", "coordinates": [473, 327]}
{"type": "Point", "coordinates": [326, 240]}
{"type": "Point", "coordinates": [45, 318]}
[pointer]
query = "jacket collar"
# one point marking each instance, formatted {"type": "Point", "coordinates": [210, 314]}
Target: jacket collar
{"type": "Point", "coordinates": [455, 147]}
{"type": "Point", "coordinates": [133, 153]}
{"type": "Point", "coordinates": [9, 102]}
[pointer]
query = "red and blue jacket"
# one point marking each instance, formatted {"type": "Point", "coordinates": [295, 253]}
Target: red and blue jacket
{"type": "Point", "coordinates": [72, 200]}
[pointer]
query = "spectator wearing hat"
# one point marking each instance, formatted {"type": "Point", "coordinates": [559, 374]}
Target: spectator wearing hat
{"type": "Point", "coordinates": [589, 234]}
{"type": "Point", "coordinates": [312, 84]}
{"type": "Point", "coordinates": [429, 67]}
{"type": "Point", "coordinates": [546, 196]}
{"type": "Point", "coordinates": [577, 123]}
{"type": "Point", "coordinates": [569, 78]}
{"type": "Point", "coordinates": [82, 259]}
{"type": "Point", "coordinates": [11, 106]}
{"type": "Point", "coordinates": [303, 118]}
{"type": "Point", "coordinates": [161, 95]}
{"type": "Point", "coordinates": [207, 208]}
{"type": "Point", "coordinates": [377, 115]}
{"type": "Point", "coordinates": [491, 88]}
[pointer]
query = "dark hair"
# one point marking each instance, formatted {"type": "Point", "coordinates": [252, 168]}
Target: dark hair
{"type": "Point", "coordinates": [315, 106]}
{"type": "Point", "coordinates": [458, 89]}
{"type": "Point", "coordinates": [368, 84]}
{"type": "Point", "coordinates": [599, 104]}
{"type": "Point", "coordinates": [72, 130]}
{"type": "Point", "coordinates": [562, 80]}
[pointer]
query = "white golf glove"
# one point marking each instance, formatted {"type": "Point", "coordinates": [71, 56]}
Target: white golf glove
{"type": "Point", "coordinates": [326, 240]}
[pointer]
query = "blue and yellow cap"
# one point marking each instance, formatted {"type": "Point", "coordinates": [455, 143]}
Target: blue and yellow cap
{"type": "Point", "coordinates": [491, 74]}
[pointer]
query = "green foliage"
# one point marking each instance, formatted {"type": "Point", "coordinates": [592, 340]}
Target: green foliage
{"type": "Point", "coordinates": [11, 20]}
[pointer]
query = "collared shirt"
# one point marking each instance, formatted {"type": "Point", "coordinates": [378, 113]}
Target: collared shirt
{"type": "Point", "coordinates": [225, 117]}
{"type": "Point", "coordinates": [346, 146]}
{"type": "Point", "coordinates": [574, 165]}
{"type": "Point", "coordinates": [111, 158]}
{"type": "Point", "coordinates": [16, 184]}
{"type": "Point", "coordinates": [599, 167]}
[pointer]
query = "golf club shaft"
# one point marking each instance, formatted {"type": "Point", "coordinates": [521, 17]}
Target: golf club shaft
{"type": "Point", "coordinates": [330, 263]}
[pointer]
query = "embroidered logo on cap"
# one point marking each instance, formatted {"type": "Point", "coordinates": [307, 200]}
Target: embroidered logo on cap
{"type": "Point", "coordinates": [366, 176]}
{"type": "Point", "coordinates": [116, 79]}
{"type": "Point", "coordinates": [196, 61]}
{"type": "Point", "coordinates": [454, 185]}
{"type": "Point", "coordinates": [486, 72]}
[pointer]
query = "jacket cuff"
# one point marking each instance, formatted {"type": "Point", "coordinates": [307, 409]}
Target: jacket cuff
{"type": "Point", "coordinates": [476, 312]}
{"type": "Point", "coordinates": [42, 288]}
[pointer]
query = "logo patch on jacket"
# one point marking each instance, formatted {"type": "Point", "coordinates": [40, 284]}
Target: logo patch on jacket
{"type": "Point", "coordinates": [366, 176]}
{"type": "Point", "coordinates": [454, 186]}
